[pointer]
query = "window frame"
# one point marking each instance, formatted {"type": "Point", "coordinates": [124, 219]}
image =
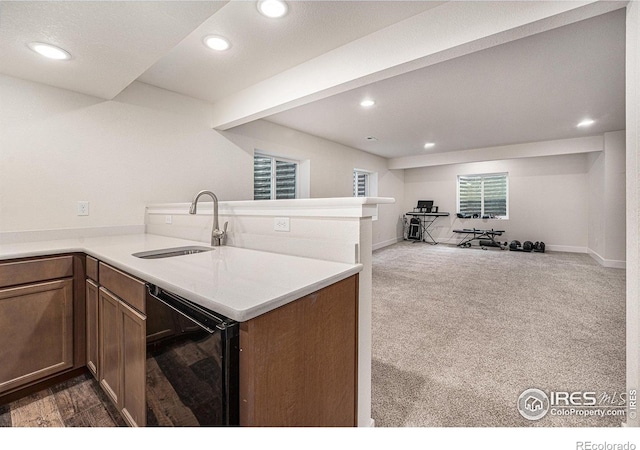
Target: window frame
{"type": "Point", "coordinates": [274, 159]}
{"type": "Point", "coordinates": [371, 186]}
{"type": "Point", "coordinates": [482, 198]}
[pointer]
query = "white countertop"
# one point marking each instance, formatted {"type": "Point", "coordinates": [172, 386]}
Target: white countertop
{"type": "Point", "coordinates": [236, 282]}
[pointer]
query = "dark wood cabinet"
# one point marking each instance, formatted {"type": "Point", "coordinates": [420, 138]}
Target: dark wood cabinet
{"type": "Point", "coordinates": [40, 325]}
{"type": "Point", "coordinates": [133, 348]}
{"type": "Point", "coordinates": [298, 363]}
{"type": "Point", "coordinates": [14, 273]}
{"type": "Point", "coordinates": [109, 345]}
{"type": "Point", "coordinates": [36, 322]}
{"type": "Point", "coordinates": [122, 343]}
{"type": "Point", "coordinates": [91, 296]}
{"type": "Point", "coordinates": [91, 268]}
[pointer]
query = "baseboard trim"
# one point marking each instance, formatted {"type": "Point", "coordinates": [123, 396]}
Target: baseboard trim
{"type": "Point", "coordinates": [386, 243]}
{"type": "Point", "coordinates": [565, 248]}
{"type": "Point", "coordinates": [372, 423]}
{"type": "Point", "coordinates": [612, 263]}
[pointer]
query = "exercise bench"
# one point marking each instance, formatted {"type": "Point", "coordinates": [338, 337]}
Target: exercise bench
{"type": "Point", "coordinates": [472, 234]}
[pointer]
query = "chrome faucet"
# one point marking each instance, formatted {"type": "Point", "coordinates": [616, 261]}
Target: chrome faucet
{"type": "Point", "coordinates": [217, 235]}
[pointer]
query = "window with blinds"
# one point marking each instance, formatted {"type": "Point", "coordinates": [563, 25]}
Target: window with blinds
{"type": "Point", "coordinates": [274, 178]}
{"type": "Point", "coordinates": [484, 195]}
{"type": "Point", "coordinates": [360, 184]}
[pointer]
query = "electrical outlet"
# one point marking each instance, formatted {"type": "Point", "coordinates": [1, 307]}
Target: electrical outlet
{"type": "Point", "coordinates": [168, 219]}
{"type": "Point", "coordinates": [281, 224]}
{"type": "Point", "coordinates": [83, 208]}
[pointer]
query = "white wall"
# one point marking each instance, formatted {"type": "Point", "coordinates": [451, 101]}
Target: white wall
{"type": "Point", "coordinates": [548, 199]}
{"type": "Point", "coordinates": [146, 146]}
{"type": "Point", "coordinates": [607, 195]}
{"type": "Point", "coordinates": [614, 187]}
{"type": "Point", "coordinates": [633, 201]}
{"type": "Point", "coordinates": [331, 169]}
{"type": "Point", "coordinates": [597, 227]}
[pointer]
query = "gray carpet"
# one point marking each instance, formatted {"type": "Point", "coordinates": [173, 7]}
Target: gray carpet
{"type": "Point", "coordinates": [459, 334]}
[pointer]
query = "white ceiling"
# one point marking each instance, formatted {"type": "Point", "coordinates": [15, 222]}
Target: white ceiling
{"type": "Point", "coordinates": [528, 90]}
{"type": "Point", "coordinates": [536, 88]}
{"type": "Point", "coordinates": [264, 47]}
{"type": "Point", "coordinates": [111, 42]}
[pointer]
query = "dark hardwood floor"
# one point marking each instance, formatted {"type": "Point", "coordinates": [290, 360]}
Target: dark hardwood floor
{"type": "Point", "coordinates": [78, 402]}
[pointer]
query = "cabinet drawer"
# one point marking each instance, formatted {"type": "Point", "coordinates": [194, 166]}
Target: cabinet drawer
{"type": "Point", "coordinates": [23, 272]}
{"type": "Point", "coordinates": [92, 268]}
{"type": "Point", "coordinates": [129, 289]}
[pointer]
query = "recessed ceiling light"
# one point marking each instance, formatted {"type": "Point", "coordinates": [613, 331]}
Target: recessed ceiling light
{"type": "Point", "coordinates": [367, 103]}
{"type": "Point", "coordinates": [217, 43]}
{"type": "Point", "coordinates": [273, 9]}
{"type": "Point", "coordinates": [429, 145]}
{"type": "Point", "coordinates": [586, 123]}
{"type": "Point", "coordinates": [49, 51]}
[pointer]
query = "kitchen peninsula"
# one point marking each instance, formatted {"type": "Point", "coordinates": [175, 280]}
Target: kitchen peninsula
{"type": "Point", "coordinates": [298, 317]}
{"type": "Point", "coordinates": [43, 279]}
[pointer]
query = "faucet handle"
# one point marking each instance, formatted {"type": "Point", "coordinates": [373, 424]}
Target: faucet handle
{"type": "Point", "coordinates": [220, 234]}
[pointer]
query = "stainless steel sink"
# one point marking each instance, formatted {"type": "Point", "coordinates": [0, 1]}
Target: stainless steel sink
{"type": "Point", "coordinates": [170, 252]}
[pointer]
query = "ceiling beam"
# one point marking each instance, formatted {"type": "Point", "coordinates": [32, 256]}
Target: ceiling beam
{"type": "Point", "coordinates": [448, 31]}
{"type": "Point", "coordinates": [528, 150]}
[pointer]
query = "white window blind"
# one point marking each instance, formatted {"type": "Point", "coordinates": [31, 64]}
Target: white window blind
{"type": "Point", "coordinates": [484, 195]}
{"type": "Point", "coordinates": [360, 184]}
{"type": "Point", "coordinates": [274, 178]}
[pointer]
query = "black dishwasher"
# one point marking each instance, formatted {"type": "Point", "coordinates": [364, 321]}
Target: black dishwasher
{"type": "Point", "coordinates": [192, 363]}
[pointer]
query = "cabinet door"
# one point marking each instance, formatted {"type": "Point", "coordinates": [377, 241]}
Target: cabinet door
{"type": "Point", "coordinates": [92, 327]}
{"type": "Point", "coordinates": [298, 363]}
{"type": "Point", "coordinates": [133, 345]}
{"type": "Point", "coordinates": [331, 346]}
{"type": "Point", "coordinates": [36, 326]}
{"type": "Point", "coordinates": [109, 345]}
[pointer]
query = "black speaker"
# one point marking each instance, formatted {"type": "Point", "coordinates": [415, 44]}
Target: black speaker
{"type": "Point", "coordinates": [415, 232]}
